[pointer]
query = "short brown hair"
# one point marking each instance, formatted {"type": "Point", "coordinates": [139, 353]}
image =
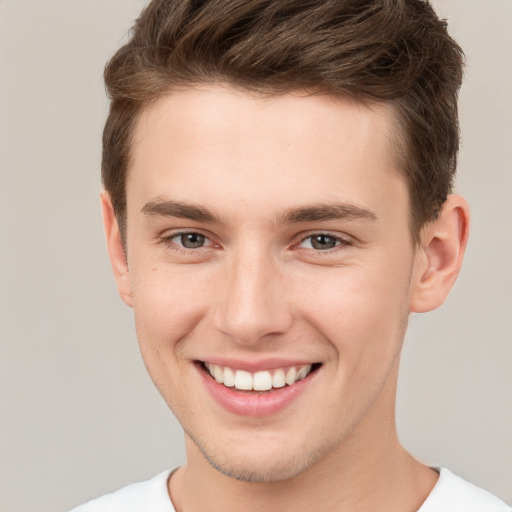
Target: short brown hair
{"type": "Point", "coordinates": [394, 51]}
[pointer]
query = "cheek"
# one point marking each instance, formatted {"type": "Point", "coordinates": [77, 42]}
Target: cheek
{"type": "Point", "coordinates": [361, 313]}
{"type": "Point", "coordinates": [167, 312]}
{"type": "Point", "coordinates": [363, 319]}
{"type": "Point", "coordinates": [167, 306]}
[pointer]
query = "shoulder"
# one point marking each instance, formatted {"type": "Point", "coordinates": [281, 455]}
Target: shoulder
{"type": "Point", "coordinates": [150, 496]}
{"type": "Point", "coordinates": [454, 494]}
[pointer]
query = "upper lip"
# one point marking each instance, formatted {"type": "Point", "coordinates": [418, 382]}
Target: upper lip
{"type": "Point", "coordinates": [256, 365]}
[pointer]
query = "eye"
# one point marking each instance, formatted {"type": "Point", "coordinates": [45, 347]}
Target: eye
{"type": "Point", "coordinates": [190, 240]}
{"type": "Point", "coordinates": [321, 242]}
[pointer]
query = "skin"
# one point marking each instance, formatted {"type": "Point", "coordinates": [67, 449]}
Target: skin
{"type": "Point", "coordinates": [259, 290]}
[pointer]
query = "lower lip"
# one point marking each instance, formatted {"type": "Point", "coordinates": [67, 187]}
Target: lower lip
{"type": "Point", "coordinates": [255, 405]}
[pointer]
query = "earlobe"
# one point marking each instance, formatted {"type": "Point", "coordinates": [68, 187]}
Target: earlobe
{"type": "Point", "coordinates": [439, 256]}
{"type": "Point", "coordinates": [116, 249]}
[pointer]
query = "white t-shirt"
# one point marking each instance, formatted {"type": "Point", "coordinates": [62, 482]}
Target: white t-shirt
{"type": "Point", "coordinates": [450, 494]}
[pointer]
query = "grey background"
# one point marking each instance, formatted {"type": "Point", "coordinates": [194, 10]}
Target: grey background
{"type": "Point", "coordinates": [78, 415]}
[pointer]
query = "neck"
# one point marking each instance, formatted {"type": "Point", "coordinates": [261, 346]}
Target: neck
{"type": "Point", "coordinates": [369, 470]}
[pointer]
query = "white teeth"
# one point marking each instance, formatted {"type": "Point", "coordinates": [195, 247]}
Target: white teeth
{"type": "Point", "coordinates": [278, 379]}
{"type": "Point", "coordinates": [303, 372]}
{"type": "Point", "coordinates": [262, 381]}
{"type": "Point", "coordinates": [291, 376]}
{"type": "Point", "coordinates": [229, 377]}
{"type": "Point", "coordinates": [258, 381]}
{"type": "Point", "coordinates": [243, 380]}
{"type": "Point", "coordinates": [218, 374]}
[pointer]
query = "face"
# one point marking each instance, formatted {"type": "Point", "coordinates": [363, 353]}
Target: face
{"type": "Point", "coordinates": [269, 269]}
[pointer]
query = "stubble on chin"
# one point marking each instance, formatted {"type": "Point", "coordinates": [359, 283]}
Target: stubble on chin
{"type": "Point", "coordinates": [246, 469]}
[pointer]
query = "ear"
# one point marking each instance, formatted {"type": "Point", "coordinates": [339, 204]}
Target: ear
{"type": "Point", "coordinates": [439, 256]}
{"type": "Point", "coordinates": [116, 249]}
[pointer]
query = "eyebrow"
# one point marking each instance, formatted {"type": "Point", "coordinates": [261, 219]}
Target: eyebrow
{"type": "Point", "coordinates": [330, 211]}
{"type": "Point", "coordinates": [307, 213]}
{"type": "Point", "coordinates": [164, 208]}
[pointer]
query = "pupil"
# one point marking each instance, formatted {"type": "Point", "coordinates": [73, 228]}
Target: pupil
{"type": "Point", "coordinates": [323, 242]}
{"type": "Point", "coordinates": [192, 240]}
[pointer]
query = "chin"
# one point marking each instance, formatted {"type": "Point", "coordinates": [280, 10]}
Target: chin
{"type": "Point", "coordinates": [258, 466]}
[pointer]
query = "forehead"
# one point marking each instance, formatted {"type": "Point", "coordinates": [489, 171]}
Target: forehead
{"type": "Point", "coordinates": [227, 147]}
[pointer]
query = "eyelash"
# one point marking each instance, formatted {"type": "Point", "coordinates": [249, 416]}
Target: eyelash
{"type": "Point", "coordinates": [169, 242]}
{"type": "Point", "coordinates": [340, 242]}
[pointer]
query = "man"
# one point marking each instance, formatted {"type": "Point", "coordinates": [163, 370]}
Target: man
{"type": "Point", "coordinates": [277, 202]}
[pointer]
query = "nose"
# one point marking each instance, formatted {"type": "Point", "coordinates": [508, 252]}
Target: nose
{"type": "Point", "coordinates": [252, 304]}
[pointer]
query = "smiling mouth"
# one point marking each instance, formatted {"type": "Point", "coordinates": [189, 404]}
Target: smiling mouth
{"type": "Point", "coordinates": [260, 381]}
